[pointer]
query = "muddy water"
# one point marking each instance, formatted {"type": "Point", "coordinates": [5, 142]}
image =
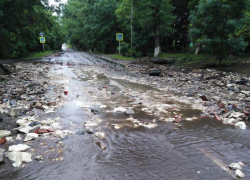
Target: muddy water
{"type": "Point", "coordinates": [201, 149]}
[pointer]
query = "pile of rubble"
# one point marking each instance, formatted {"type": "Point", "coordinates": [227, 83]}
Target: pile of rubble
{"type": "Point", "coordinates": [224, 95]}
{"type": "Point", "coordinates": [29, 95]}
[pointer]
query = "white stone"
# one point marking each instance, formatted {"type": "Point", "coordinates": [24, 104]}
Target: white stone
{"type": "Point", "coordinates": [239, 174]}
{"type": "Point", "coordinates": [236, 115]}
{"type": "Point", "coordinates": [12, 113]}
{"type": "Point", "coordinates": [4, 133]}
{"type": "Point", "coordinates": [241, 163]}
{"type": "Point", "coordinates": [39, 158]}
{"type": "Point", "coordinates": [22, 122]}
{"type": "Point", "coordinates": [100, 135]}
{"type": "Point", "coordinates": [60, 134]}
{"type": "Point", "coordinates": [241, 125]}
{"type": "Point", "coordinates": [9, 139]}
{"type": "Point", "coordinates": [129, 112]}
{"type": "Point", "coordinates": [230, 85]}
{"type": "Point", "coordinates": [103, 106]}
{"type": "Point", "coordinates": [24, 129]}
{"type": "Point", "coordinates": [235, 166]}
{"type": "Point", "coordinates": [45, 107]}
{"type": "Point", "coordinates": [189, 119]}
{"type": "Point", "coordinates": [19, 147]}
{"type": "Point", "coordinates": [120, 109]}
{"type": "Point", "coordinates": [19, 158]}
{"type": "Point", "coordinates": [18, 137]}
{"type": "Point", "coordinates": [30, 136]}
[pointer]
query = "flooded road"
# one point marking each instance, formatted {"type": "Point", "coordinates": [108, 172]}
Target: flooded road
{"type": "Point", "coordinates": [143, 146]}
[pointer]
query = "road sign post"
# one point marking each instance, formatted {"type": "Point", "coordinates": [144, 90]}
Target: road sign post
{"type": "Point", "coordinates": [43, 41]}
{"type": "Point", "coordinates": [119, 37]}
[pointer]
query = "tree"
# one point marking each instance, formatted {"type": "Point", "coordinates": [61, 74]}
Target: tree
{"type": "Point", "coordinates": [21, 23]}
{"type": "Point", "coordinates": [154, 16]}
{"type": "Point", "coordinates": [181, 24]}
{"type": "Point", "coordinates": [216, 23]}
{"type": "Point", "coordinates": [91, 24]}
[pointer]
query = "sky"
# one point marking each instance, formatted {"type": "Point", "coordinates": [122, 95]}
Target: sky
{"type": "Point", "coordinates": [52, 2]}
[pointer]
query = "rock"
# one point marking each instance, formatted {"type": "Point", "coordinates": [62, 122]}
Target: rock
{"type": "Point", "coordinates": [19, 147]}
{"type": "Point", "coordinates": [1, 155]}
{"type": "Point", "coordinates": [103, 147]}
{"type": "Point", "coordinates": [38, 105]}
{"type": "Point", "coordinates": [24, 129]}
{"type": "Point", "coordinates": [154, 73]}
{"type": "Point", "coordinates": [204, 98]}
{"type": "Point", "coordinates": [60, 134]}
{"type": "Point", "coordinates": [241, 125]}
{"type": "Point", "coordinates": [241, 163]}
{"type": "Point", "coordinates": [9, 139]}
{"type": "Point", "coordinates": [38, 158]}
{"type": "Point", "coordinates": [34, 123]}
{"type": "Point", "coordinates": [13, 113]}
{"type": "Point", "coordinates": [235, 166]}
{"type": "Point", "coordinates": [4, 133]}
{"type": "Point", "coordinates": [96, 110]}
{"type": "Point", "coordinates": [177, 119]}
{"type": "Point", "coordinates": [89, 130]}
{"type": "Point", "coordinates": [80, 132]}
{"type": "Point", "coordinates": [236, 114]}
{"type": "Point", "coordinates": [241, 82]}
{"type": "Point", "coordinates": [41, 131]}
{"type": "Point", "coordinates": [217, 117]}
{"type": "Point", "coordinates": [18, 137]}
{"type": "Point", "coordinates": [3, 140]}
{"type": "Point", "coordinates": [103, 106]}
{"type": "Point", "coordinates": [30, 136]}
{"type": "Point", "coordinates": [120, 109]}
{"type": "Point", "coordinates": [50, 130]}
{"type": "Point", "coordinates": [129, 112]}
{"type": "Point", "coordinates": [22, 122]}
{"type": "Point", "coordinates": [100, 135]}
{"type": "Point", "coordinates": [45, 107]}
{"type": "Point", "coordinates": [246, 112]}
{"type": "Point", "coordinates": [239, 174]}
{"type": "Point", "coordinates": [19, 158]}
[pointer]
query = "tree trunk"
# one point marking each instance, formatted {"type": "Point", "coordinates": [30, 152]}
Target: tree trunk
{"type": "Point", "coordinates": [197, 50]}
{"type": "Point", "coordinates": [157, 40]}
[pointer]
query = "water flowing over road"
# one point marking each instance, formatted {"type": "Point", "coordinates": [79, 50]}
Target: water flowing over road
{"type": "Point", "coordinates": [143, 146]}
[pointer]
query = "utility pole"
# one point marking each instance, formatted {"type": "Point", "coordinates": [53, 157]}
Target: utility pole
{"type": "Point", "coordinates": [132, 28]}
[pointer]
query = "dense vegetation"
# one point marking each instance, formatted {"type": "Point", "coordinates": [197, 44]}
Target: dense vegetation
{"type": "Point", "coordinates": [217, 27]}
{"type": "Point", "coordinates": [220, 28]}
{"type": "Point", "coordinates": [21, 23]}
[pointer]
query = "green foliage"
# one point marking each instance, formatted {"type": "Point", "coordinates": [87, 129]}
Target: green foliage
{"type": "Point", "coordinates": [215, 24]}
{"type": "Point", "coordinates": [91, 25]}
{"type": "Point", "coordinates": [21, 23]}
{"type": "Point", "coordinates": [152, 22]}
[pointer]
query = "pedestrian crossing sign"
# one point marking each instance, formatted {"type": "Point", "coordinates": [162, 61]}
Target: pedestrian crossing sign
{"type": "Point", "coordinates": [42, 40]}
{"type": "Point", "coordinates": [119, 36]}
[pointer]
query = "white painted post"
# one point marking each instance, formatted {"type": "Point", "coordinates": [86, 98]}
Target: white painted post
{"type": "Point", "coordinates": [119, 48]}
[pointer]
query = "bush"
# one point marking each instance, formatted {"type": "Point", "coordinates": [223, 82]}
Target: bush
{"type": "Point", "coordinates": [126, 50]}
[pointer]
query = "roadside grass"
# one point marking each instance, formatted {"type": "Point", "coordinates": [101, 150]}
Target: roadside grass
{"type": "Point", "coordinates": [40, 54]}
{"type": "Point", "coordinates": [239, 64]}
{"type": "Point", "coordinates": [119, 57]}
